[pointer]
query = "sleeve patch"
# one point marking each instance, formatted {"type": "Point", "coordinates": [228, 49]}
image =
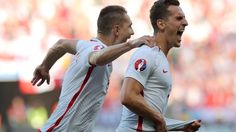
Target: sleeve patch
{"type": "Point", "coordinates": [98, 47]}
{"type": "Point", "coordinates": [140, 65]}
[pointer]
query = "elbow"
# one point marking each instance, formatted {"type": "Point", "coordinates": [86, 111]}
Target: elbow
{"type": "Point", "coordinates": [61, 42]}
{"type": "Point", "coordinates": [100, 62]}
{"type": "Point", "coordinates": [123, 101]}
{"type": "Point", "coordinates": [97, 59]}
{"type": "Point", "coordinates": [60, 45]}
{"type": "Point", "coordinates": [67, 46]}
{"type": "Point", "coordinates": [126, 100]}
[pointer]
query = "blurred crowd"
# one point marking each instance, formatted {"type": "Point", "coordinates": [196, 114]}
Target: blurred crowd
{"type": "Point", "coordinates": [203, 69]}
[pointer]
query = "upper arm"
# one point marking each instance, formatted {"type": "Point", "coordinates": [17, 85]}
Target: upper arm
{"type": "Point", "coordinates": [68, 45]}
{"type": "Point", "coordinates": [94, 54]}
{"type": "Point", "coordinates": [130, 89]}
{"type": "Point", "coordinates": [137, 74]}
{"type": "Point", "coordinates": [140, 66]}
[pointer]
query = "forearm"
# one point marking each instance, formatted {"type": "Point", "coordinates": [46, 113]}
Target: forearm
{"type": "Point", "coordinates": [52, 56]}
{"type": "Point", "coordinates": [109, 54]}
{"type": "Point", "coordinates": [139, 106]}
{"type": "Point", "coordinates": [56, 52]}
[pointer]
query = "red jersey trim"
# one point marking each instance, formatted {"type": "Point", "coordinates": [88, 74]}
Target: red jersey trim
{"type": "Point", "coordinates": [73, 99]}
{"type": "Point", "coordinates": [140, 119]}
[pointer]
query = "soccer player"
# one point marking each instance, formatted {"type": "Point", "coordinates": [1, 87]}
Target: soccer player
{"type": "Point", "coordinates": [147, 84]}
{"type": "Point", "coordinates": [86, 80]}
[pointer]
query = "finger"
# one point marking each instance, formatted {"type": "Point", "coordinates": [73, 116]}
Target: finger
{"type": "Point", "coordinates": [196, 123]}
{"type": "Point", "coordinates": [161, 128]}
{"type": "Point", "coordinates": [48, 79]}
{"type": "Point", "coordinates": [41, 82]}
{"type": "Point", "coordinates": [196, 129]}
{"type": "Point", "coordinates": [151, 41]}
{"type": "Point", "coordinates": [32, 80]}
{"type": "Point", "coordinates": [150, 44]}
{"type": "Point", "coordinates": [35, 80]}
{"type": "Point", "coordinates": [148, 36]}
{"type": "Point", "coordinates": [195, 126]}
{"type": "Point", "coordinates": [141, 44]}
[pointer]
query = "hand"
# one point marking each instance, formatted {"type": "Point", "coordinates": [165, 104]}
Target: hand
{"type": "Point", "coordinates": [147, 40]}
{"type": "Point", "coordinates": [40, 73]}
{"type": "Point", "coordinates": [161, 127]}
{"type": "Point", "coordinates": [193, 126]}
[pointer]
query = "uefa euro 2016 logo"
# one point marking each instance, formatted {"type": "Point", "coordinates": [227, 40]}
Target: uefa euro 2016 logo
{"type": "Point", "coordinates": [140, 65]}
{"type": "Point", "coordinates": [98, 47]}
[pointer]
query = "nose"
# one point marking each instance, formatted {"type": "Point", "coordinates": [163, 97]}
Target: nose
{"type": "Point", "coordinates": [185, 22]}
{"type": "Point", "coordinates": [131, 31]}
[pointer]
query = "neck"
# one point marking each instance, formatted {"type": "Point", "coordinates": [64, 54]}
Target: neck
{"type": "Point", "coordinates": [162, 43]}
{"type": "Point", "coordinates": [104, 39]}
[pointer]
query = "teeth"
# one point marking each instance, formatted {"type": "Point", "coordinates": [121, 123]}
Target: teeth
{"type": "Point", "coordinates": [180, 32]}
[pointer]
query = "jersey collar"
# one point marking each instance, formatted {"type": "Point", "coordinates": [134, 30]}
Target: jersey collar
{"type": "Point", "coordinates": [96, 40]}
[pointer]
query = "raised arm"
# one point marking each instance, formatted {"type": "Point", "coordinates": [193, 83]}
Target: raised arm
{"type": "Point", "coordinates": [110, 53]}
{"type": "Point", "coordinates": [60, 48]}
{"type": "Point", "coordinates": [132, 98]}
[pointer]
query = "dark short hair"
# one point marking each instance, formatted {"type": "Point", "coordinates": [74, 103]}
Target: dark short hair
{"type": "Point", "coordinates": [159, 10]}
{"type": "Point", "coordinates": [109, 16]}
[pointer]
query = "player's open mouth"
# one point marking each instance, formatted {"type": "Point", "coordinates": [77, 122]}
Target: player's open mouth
{"type": "Point", "coordinates": [180, 32]}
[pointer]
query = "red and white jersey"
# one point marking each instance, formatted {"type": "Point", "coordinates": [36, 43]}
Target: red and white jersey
{"type": "Point", "coordinates": [83, 90]}
{"type": "Point", "coordinates": [150, 67]}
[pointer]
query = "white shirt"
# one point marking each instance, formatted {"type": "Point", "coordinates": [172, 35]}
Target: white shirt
{"type": "Point", "coordinates": [83, 90]}
{"type": "Point", "coordinates": [150, 67]}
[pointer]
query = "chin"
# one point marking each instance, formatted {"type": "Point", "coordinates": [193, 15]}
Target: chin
{"type": "Point", "coordinates": [177, 45]}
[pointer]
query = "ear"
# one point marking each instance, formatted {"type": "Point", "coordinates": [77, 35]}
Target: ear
{"type": "Point", "coordinates": [161, 24]}
{"type": "Point", "coordinates": [116, 29]}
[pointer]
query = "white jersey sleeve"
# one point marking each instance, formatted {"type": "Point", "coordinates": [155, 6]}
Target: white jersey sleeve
{"type": "Point", "coordinates": [175, 125]}
{"type": "Point", "coordinates": [141, 64]}
{"type": "Point", "coordinates": [85, 48]}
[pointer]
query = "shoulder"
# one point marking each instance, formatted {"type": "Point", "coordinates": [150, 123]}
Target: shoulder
{"type": "Point", "coordinates": [151, 56]}
{"type": "Point", "coordinates": [146, 51]}
{"type": "Point", "coordinates": [144, 54]}
{"type": "Point", "coordinates": [89, 45]}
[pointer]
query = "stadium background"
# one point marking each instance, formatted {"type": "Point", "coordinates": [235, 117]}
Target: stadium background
{"type": "Point", "coordinates": [203, 69]}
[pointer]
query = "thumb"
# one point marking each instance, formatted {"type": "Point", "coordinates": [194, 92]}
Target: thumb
{"type": "Point", "coordinates": [48, 79]}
